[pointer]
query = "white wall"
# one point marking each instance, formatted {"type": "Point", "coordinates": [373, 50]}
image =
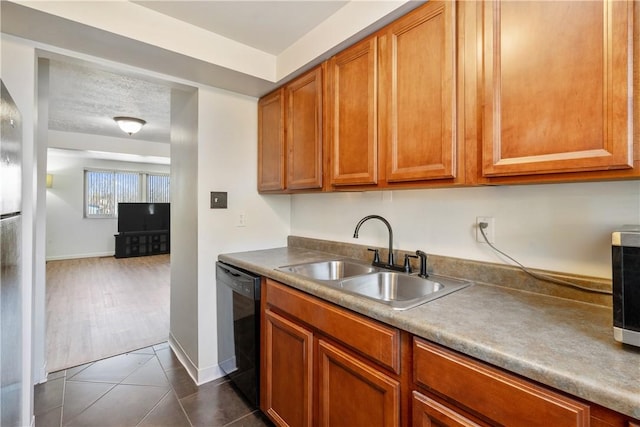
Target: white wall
{"type": "Point", "coordinates": [69, 234]}
{"type": "Point", "coordinates": [557, 227]}
{"type": "Point", "coordinates": [227, 156]}
{"type": "Point", "coordinates": [184, 228]}
{"type": "Point", "coordinates": [225, 160]}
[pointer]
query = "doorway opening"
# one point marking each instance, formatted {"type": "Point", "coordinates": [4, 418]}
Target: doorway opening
{"type": "Point", "coordinates": [91, 305]}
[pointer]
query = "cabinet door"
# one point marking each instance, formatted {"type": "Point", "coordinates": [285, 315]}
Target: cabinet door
{"type": "Point", "coordinates": [556, 87]}
{"type": "Point", "coordinates": [288, 377]}
{"type": "Point", "coordinates": [353, 111]}
{"type": "Point", "coordinates": [427, 413]}
{"type": "Point", "coordinates": [418, 94]}
{"type": "Point", "coordinates": [353, 393]}
{"type": "Point", "coordinates": [304, 131]}
{"type": "Point", "coordinates": [271, 156]}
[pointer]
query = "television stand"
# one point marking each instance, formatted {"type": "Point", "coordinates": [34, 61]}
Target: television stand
{"type": "Point", "coordinates": [142, 243]}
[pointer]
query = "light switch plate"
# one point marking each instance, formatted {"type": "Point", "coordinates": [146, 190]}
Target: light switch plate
{"type": "Point", "coordinates": [218, 200]}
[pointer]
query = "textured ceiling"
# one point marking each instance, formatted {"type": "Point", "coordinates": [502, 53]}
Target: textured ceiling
{"type": "Point", "coordinates": [84, 98]}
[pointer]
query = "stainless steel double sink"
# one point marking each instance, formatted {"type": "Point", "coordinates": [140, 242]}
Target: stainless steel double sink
{"type": "Point", "coordinates": [401, 291]}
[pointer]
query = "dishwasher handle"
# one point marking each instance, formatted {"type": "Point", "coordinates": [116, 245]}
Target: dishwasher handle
{"type": "Point", "coordinates": [229, 272]}
{"type": "Point", "coordinates": [239, 281]}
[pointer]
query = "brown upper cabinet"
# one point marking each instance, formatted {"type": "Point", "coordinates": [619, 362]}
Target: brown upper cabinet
{"type": "Point", "coordinates": [271, 159]}
{"type": "Point", "coordinates": [556, 88]}
{"type": "Point", "coordinates": [304, 131]}
{"type": "Point", "coordinates": [417, 90]}
{"type": "Point", "coordinates": [393, 100]}
{"type": "Point", "coordinates": [290, 136]}
{"type": "Point", "coordinates": [467, 93]}
{"type": "Point", "coordinates": [353, 114]}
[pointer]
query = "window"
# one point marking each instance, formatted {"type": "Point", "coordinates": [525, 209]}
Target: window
{"type": "Point", "coordinates": [104, 189]}
{"type": "Point", "coordinates": [157, 188]}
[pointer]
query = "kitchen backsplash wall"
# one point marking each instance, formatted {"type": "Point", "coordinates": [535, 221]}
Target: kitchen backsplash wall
{"type": "Point", "coordinates": [587, 289]}
{"type": "Point", "coordinates": [557, 227]}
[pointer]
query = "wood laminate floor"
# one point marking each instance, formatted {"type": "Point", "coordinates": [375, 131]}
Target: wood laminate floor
{"type": "Point", "coordinates": [101, 307]}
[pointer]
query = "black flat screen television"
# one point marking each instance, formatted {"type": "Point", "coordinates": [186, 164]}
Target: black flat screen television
{"type": "Point", "coordinates": [143, 217]}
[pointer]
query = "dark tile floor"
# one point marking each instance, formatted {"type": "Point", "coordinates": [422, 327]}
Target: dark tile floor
{"type": "Point", "coordinates": [147, 387]}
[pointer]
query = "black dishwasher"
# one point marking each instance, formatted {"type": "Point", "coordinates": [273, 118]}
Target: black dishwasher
{"type": "Point", "coordinates": [238, 308]}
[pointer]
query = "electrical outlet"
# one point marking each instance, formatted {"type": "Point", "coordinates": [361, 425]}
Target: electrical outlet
{"type": "Point", "coordinates": [489, 231]}
{"type": "Point", "coordinates": [242, 220]}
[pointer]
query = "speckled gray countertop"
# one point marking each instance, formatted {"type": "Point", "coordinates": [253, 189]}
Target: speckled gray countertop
{"type": "Point", "coordinates": [565, 344]}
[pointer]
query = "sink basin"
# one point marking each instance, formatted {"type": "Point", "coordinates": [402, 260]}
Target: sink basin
{"type": "Point", "coordinates": [399, 290]}
{"type": "Point", "coordinates": [329, 270]}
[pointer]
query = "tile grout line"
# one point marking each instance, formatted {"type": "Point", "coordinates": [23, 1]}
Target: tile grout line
{"type": "Point", "coordinates": [242, 417]}
{"type": "Point", "coordinates": [154, 406]}
{"type": "Point", "coordinates": [175, 394]}
{"type": "Point", "coordinates": [92, 403]}
{"type": "Point", "coordinates": [113, 385]}
{"type": "Point", "coordinates": [64, 389]}
{"type": "Point", "coordinates": [220, 383]}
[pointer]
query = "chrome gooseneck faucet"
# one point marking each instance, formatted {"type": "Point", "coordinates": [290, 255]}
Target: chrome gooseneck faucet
{"type": "Point", "coordinates": [390, 262]}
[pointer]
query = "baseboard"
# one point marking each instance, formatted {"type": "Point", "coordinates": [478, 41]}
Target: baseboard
{"type": "Point", "coordinates": [40, 377]}
{"type": "Point", "coordinates": [78, 256]}
{"type": "Point", "coordinates": [209, 374]}
{"type": "Point", "coordinates": [198, 375]}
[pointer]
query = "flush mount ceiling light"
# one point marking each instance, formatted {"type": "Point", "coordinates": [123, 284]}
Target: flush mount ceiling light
{"type": "Point", "coordinates": [129, 125]}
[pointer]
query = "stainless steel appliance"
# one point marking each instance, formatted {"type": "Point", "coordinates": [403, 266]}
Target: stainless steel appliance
{"type": "Point", "coordinates": [626, 284]}
{"type": "Point", "coordinates": [238, 308]}
{"type": "Point", "coordinates": [10, 262]}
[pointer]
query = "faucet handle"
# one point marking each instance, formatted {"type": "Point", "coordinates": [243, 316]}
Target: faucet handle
{"type": "Point", "coordinates": [423, 263]}
{"type": "Point", "coordinates": [376, 255]}
{"type": "Point", "coordinates": [407, 263]}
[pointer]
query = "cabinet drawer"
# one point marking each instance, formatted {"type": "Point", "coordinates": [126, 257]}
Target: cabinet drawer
{"type": "Point", "coordinates": [372, 339]}
{"type": "Point", "coordinates": [427, 412]}
{"type": "Point", "coordinates": [492, 393]}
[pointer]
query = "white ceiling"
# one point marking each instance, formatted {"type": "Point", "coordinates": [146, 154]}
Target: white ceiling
{"type": "Point", "coordinates": [84, 96]}
{"type": "Point", "coordinates": [270, 26]}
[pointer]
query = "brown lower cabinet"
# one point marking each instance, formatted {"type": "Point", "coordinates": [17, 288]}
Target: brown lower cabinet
{"type": "Point", "coordinates": [490, 393]}
{"type": "Point", "coordinates": [288, 358]}
{"type": "Point", "coordinates": [427, 412]}
{"type": "Point", "coordinates": [314, 375]}
{"type": "Point", "coordinates": [352, 392]}
{"type": "Point", "coordinates": [323, 365]}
